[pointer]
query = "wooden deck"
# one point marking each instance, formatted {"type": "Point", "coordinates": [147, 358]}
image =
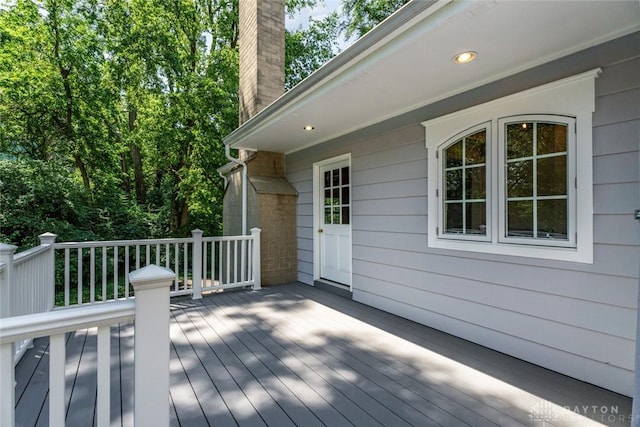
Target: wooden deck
{"type": "Point", "coordinates": [294, 355]}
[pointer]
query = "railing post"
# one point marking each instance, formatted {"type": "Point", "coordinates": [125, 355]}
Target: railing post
{"type": "Point", "coordinates": [196, 263]}
{"type": "Point", "coordinates": [50, 268]}
{"type": "Point", "coordinates": [255, 235]}
{"type": "Point", "coordinates": [7, 385]}
{"type": "Point", "coordinates": [6, 288]}
{"type": "Point", "coordinates": [151, 349]}
{"type": "Point", "coordinates": [7, 350]}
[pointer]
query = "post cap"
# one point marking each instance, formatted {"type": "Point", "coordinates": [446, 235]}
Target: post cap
{"type": "Point", "coordinates": [7, 249]}
{"type": "Point", "coordinates": [151, 276]}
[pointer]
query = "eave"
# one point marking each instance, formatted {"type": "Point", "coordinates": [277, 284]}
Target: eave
{"type": "Point", "coordinates": [405, 63]}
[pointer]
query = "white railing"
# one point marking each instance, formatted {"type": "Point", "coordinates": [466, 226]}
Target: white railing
{"type": "Point", "coordinates": [98, 271]}
{"type": "Point", "coordinates": [27, 282]}
{"type": "Point", "coordinates": [150, 309]}
{"type": "Point", "coordinates": [91, 272]}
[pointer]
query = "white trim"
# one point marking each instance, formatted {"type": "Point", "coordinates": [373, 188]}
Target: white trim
{"type": "Point", "coordinates": [317, 206]}
{"type": "Point", "coordinates": [573, 96]}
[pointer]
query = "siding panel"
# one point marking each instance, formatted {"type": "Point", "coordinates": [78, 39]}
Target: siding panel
{"type": "Point", "coordinates": [617, 107]}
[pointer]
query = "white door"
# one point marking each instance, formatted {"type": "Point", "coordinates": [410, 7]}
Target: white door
{"type": "Point", "coordinates": [335, 222]}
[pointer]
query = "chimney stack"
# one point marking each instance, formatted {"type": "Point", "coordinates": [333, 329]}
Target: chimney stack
{"type": "Point", "coordinates": [271, 200]}
{"type": "Point", "coordinates": [261, 55]}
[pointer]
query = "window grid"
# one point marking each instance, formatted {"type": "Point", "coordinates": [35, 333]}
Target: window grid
{"type": "Point", "coordinates": [336, 196]}
{"type": "Point", "coordinates": [464, 168]}
{"type": "Point", "coordinates": [534, 198]}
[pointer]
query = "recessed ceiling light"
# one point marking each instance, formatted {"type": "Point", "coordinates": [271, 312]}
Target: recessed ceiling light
{"type": "Point", "coordinates": [464, 57]}
{"type": "Point", "coordinates": [308, 128]}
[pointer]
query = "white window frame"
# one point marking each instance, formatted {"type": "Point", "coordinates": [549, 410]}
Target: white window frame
{"type": "Point", "coordinates": [570, 97]}
{"type": "Point", "coordinates": [570, 122]}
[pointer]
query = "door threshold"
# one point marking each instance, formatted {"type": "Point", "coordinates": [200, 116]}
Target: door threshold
{"type": "Point", "coordinates": [333, 287]}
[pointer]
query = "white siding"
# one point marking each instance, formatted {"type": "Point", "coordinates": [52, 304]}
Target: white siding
{"type": "Point", "coordinates": [578, 319]}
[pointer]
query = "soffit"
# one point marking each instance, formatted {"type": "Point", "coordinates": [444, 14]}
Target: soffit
{"type": "Point", "coordinates": [411, 66]}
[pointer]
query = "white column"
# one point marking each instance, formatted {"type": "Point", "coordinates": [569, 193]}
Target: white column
{"type": "Point", "coordinates": [50, 239]}
{"type": "Point", "coordinates": [6, 257]}
{"type": "Point", "coordinates": [255, 234]}
{"type": "Point", "coordinates": [196, 263]}
{"type": "Point", "coordinates": [151, 358]}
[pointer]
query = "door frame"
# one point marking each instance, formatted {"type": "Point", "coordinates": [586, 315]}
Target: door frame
{"type": "Point", "coordinates": [318, 206]}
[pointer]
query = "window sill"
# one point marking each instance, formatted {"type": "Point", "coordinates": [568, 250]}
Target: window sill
{"type": "Point", "coordinates": [580, 254]}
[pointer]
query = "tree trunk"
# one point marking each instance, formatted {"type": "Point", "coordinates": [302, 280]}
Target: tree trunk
{"type": "Point", "coordinates": [83, 171]}
{"type": "Point", "coordinates": [126, 181]}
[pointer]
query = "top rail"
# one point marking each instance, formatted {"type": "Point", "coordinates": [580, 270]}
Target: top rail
{"type": "Point", "coordinates": [29, 254]}
{"type": "Point", "coordinates": [101, 243]}
{"type": "Point", "coordinates": [65, 320]}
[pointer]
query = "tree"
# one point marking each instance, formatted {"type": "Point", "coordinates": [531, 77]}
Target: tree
{"type": "Point", "coordinates": [124, 104]}
{"type": "Point", "coordinates": [360, 16]}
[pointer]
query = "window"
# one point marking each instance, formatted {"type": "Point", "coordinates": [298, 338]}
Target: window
{"type": "Point", "coordinates": [537, 180]}
{"type": "Point", "coordinates": [336, 195]}
{"type": "Point", "coordinates": [514, 176]}
{"type": "Point", "coordinates": [464, 185]}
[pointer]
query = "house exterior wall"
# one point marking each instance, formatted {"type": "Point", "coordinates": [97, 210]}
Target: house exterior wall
{"type": "Point", "coordinates": [232, 206]}
{"type": "Point", "coordinates": [578, 319]}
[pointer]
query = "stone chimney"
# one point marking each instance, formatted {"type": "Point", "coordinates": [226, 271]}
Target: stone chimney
{"type": "Point", "coordinates": [261, 55]}
{"type": "Point", "coordinates": [271, 199]}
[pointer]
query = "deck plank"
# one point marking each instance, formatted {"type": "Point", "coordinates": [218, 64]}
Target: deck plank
{"type": "Point", "coordinates": [415, 408]}
{"type": "Point", "coordinates": [415, 382]}
{"type": "Point", "coordinates": [295, 396]}
{"type": "Point", "coordinates": [295, 355]}
{"type": "Point", "coordinates": [246, 372]}
{"type": "Point", "coordinates": [32, 378]}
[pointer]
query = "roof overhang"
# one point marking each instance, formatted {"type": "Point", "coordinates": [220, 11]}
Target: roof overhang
{"type": "Point", "coordinates": [406, 63]}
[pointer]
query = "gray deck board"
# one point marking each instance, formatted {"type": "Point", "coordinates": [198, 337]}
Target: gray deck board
{"type": "Point", "coordinates": [294, 355]}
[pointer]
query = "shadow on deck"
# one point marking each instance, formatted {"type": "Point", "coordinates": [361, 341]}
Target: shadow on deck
{"type": "Point", "coordinates": [294, 355]}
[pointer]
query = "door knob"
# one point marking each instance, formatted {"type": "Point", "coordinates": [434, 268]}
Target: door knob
{"type": "Point", "coordinates": [320, 230]}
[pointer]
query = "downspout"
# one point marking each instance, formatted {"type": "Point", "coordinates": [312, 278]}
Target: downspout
{"type": "Point", "coordinates": [227, 153]}
{"type": "Point", "coordinates": [224, 179]}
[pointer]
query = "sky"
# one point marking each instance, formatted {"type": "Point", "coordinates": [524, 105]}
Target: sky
{"type": "Point", "coordinates": [322, 9]}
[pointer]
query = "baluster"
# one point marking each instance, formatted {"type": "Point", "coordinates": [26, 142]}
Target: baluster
{"type": "Point", "coordinates": [92, 275]}
{"type": "Point", "coordinates": [79, 275]}
{"type": "Point", "coordinates": [249, 260]}
{"type": "Point", "coordinates": [186, 264]}
{"type": "Point", "coordinates": [220, 274]}
{"type": "Point", "coordinates": [115, 272]}
{"type": "Point", "coordinates": [243, 245]}
{"type": "Point", "coordinates": [204, 264]}
{"type": "Point", "coordinates": [147, 253]}
{"type": "Point", "coordinates": [126, 271]}
{"type": "Point", "coordinates": [157, 253]}
{"type": "Point", "coordinates": [104, 273]}
{"type": "Point", "coordinates": [213, 265]}
{"type": "Point", "coordinates": [66, 277]}
{"type": "Point", "coordinates": [137, 257]}
{"type": "Point", "coordinates": [196, 264]}
{"type": "Point", "coordinates": [228, 261]}
{"type": "Point", "coordinates": [235, 261]}
{"type": "Point", "coordinates": [176, 267]}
